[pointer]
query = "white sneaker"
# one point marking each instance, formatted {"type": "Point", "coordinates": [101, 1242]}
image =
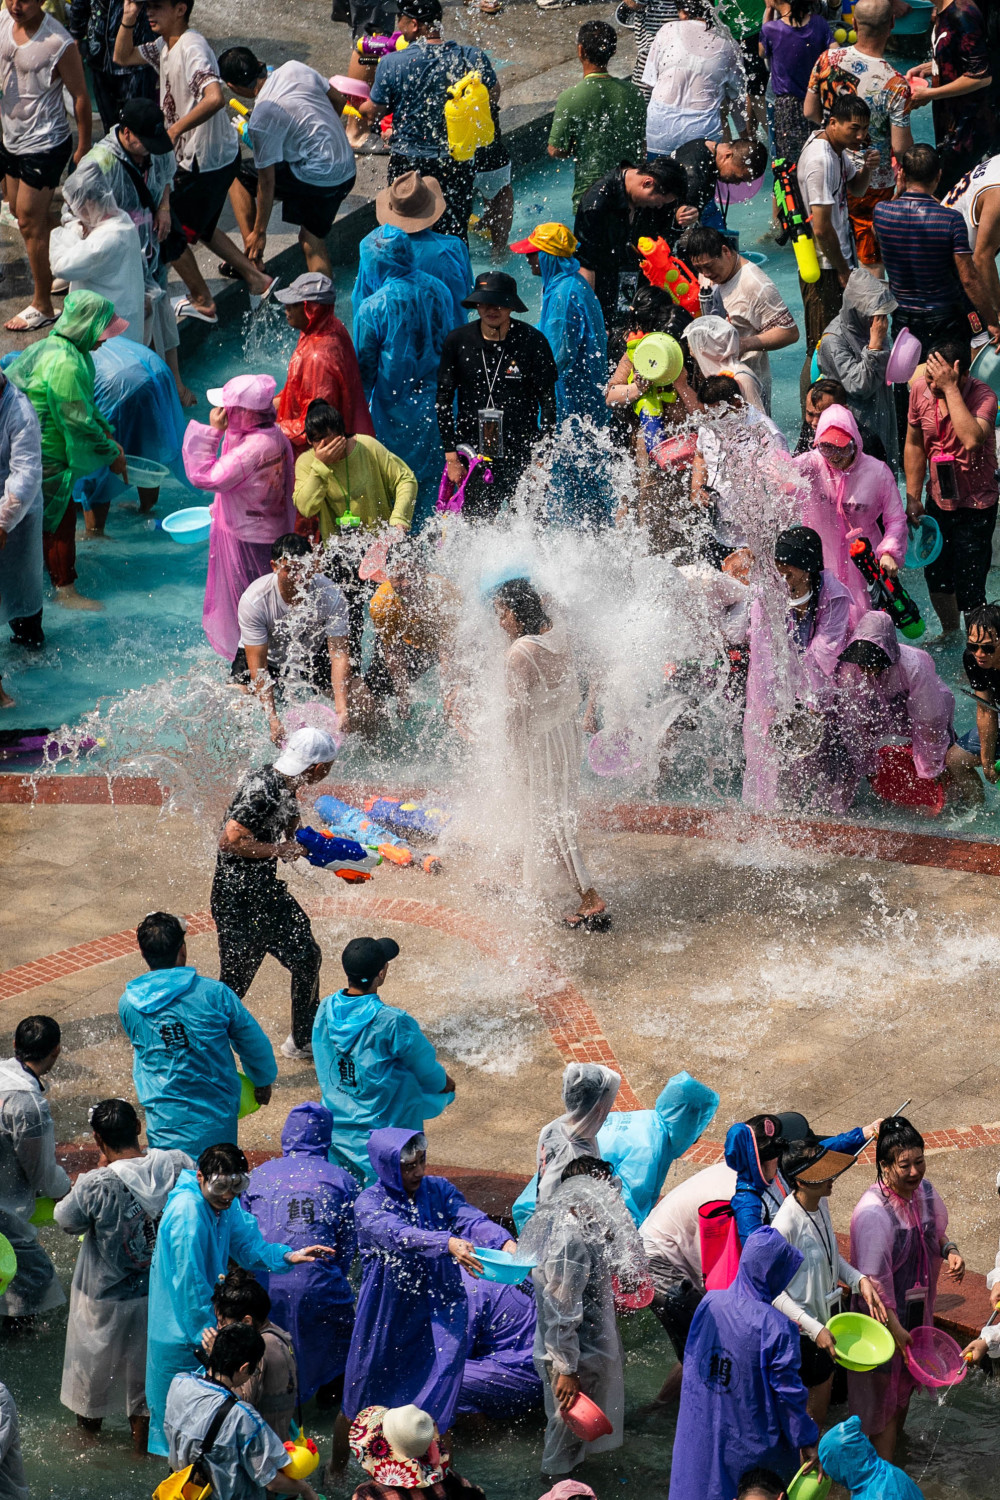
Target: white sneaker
{"type": "Point", "coordinates": [297, 1054]}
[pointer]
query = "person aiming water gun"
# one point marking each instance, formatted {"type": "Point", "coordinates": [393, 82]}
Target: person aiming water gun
{"type": "Point", "coordinates": [661, 268]}
{"type": "Point", "coordinates": [346, 858]}
{"type": "Point", "coordinates": [887, 593]}
{"type": "Point", "coordinates": [795, 222]}
{"type": "Point", "coordinates": [347, 822]}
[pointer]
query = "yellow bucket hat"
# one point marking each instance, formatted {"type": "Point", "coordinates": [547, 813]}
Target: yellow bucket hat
{"type": "Point", "coordinates": [554, 239]}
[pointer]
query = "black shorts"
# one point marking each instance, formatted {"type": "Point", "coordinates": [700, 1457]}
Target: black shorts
{"type": "Point", "coordinates": [817, 1366]}
{"type": "Point", "coordinates": [311, 208]}
{"type": "Point", "coordinates": [754, 66]}
{"type": "Point", "coordinates": [37, 169]}
{"type": "Point", "coordinates": [198, 198]}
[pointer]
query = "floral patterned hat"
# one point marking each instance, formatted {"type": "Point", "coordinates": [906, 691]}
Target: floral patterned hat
{"type": "Point", "coordinates": [397, 1446]}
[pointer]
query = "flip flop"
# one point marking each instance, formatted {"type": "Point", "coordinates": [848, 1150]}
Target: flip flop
{"type": "Point", "coordinates": [256, 301]}
{"type": "Point", "coordinates": [30, 319]}
{"type": "Point", "coordinates": [599, 922]}
{"type": "Point", "coordinates": [228, 271]}
{"type": "Point", "coordinates": [184, 308]}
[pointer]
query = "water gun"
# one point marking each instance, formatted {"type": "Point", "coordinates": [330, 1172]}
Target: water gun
{"type": "Point", "coordinates": [845, 32]}
{"type": "Point", "coordinates": [795, 222]}
{"type": "Point", "coordinates": [349, 859]}
{"type": "Point", "coordinates": [374, 48]}
{"type": "Point", "coordinates": [662, 268]}
{"type": "Point", "coordinates": [886, 593]}
{"type": "Point", "coordinates": [404, 816]}
{"type": "Point", "coordinates": [242, 118]}
{"type": "Point", "coordinates": [452, 496]}
{"type": "Point", "coordinates": [348, 822]}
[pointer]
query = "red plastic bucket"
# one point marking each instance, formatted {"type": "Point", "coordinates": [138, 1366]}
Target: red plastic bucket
{"type": "Point", "coordinates": [896, 780]}
{"type": "Point", "coordinates": [586, 1420]}
{"type": "Point", "coordinates": [934, 1358]}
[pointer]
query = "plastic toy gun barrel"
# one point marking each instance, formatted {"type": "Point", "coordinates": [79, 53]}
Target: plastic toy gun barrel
{"type": "Point", "coordinates": [795, 222]}
{"type": "Point", "coordinates": [887, 593]}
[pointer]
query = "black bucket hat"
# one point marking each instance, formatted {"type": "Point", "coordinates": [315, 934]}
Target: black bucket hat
{"type": "Point", "coordinates": [496, 289]}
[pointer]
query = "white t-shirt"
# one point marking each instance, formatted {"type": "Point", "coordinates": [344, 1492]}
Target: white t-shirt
{"type": "Point", "coordinates": [823, 1266]}
{"type": "Point", "coordinates": [752, 303]}
{"type": "Point", "coordinates": [693, 71]}
{"type": "Point", "coordinates": [671, 1230]}
{"type": "Point", "coordinates": [32, 110]}
{"type": "Point", "coordinates": [731, 451]}
{"type": "Point", "coordinates": [293, 121]}
{"type": "Point", "coordinates": [266, 620]}
{"type": "Point", "coordinates": [823, 178]}
{"type": "Point", "coordinates": [186, 70]}
{"type": "Point", "coordinates": [966, 193]}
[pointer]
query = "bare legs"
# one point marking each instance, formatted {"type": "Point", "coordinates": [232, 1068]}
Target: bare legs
{"type": "Point", "coordinates": [31, 207]}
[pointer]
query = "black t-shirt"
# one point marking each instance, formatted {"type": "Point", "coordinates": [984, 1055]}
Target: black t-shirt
{"type": "Point", "coordinates": [981, 679]}
{"type": "Point", "coordinates": [517, 376]}
{"type": "Point", "coordinates": [266, 805]}
{"type": "Point", "coordinates": [701, 172]}
{"type": "Point", "coordinates": [608, 228]}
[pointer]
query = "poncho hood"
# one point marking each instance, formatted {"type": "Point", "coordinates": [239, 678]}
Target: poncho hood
{"type": "Point", "coordinates": [839, 416]}
{"type": "Point", "coordinates": [876, 627]}
{"type": "Point", "coordinates": [767, 1265]}
{"type": "Point", "coordinates": [742, 1155]}
{"type": "Point", "coordinates": [347, 1016]}
{"type": "Point", "coordinates": [308, 1131]}
{"type": "Point", "coordinates": [848, 1457]}
{"type": "Point", "coordinates": [151, 992]}
{"type": "Point", "coordinates": [865, 297]}
{"type": "Point", "coordinates": [391, 255]}
{"type": "Point", "coordinates": [85, 316]}
{"type": "Point", "coordinates": [385, 1147]}
{"type": "Point", "coordinates": [17, 1080]}
{"type": "Point", "coordinates": [148, 1178]}
{"type": "Point", "coordinates": [714, 342]}
{"type": "Point", "coordinates": [556, 267]}
{"type": "Point", "coordinates": [321, 317]}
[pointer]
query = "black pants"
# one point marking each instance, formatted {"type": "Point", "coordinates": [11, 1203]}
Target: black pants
{"type": "Point", "coordinates": [455, 179]}
{"type": "Point", "coordinates": [260, 917]}
{"type": "Point", "coordinates": [966, 555]}
{"type": "Point", "coordinates": [27, 630]}
{"type": "Point", "coordinates": [112, 90]}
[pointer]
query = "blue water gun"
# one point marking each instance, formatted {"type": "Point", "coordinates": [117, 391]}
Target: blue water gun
{"type": "Point", "coordinates": [346, 857]}
{"type": "Point", "coordinates": [347, 822]}
{"type": "Point", "coordinates": [406, 817]}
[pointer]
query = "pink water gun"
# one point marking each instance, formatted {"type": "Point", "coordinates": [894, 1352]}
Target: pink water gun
{"type": "Point", "coordinates": [451, 497]}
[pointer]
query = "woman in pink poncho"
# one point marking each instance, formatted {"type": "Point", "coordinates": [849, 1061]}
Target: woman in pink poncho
{"type": "Point", "coordinates": [796, 637]}
{"type": "Point", "coordinates": [847, 493]}
{"type": "Point", "coordinates": [899, 1239]}
{"type": "Point", "coordinates": [253, 478]}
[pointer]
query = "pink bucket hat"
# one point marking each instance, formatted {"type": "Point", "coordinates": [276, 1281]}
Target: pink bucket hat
{"type": "Point", "coordinates": [252, 392]}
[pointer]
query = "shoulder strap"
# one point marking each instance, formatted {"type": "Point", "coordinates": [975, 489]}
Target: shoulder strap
{"type": "Point", "coordinates": [215, 1426]}
{"type": "Point", "coordinates": [145, 196]}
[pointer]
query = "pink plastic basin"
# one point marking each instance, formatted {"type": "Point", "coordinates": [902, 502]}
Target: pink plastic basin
{"type": "Point", "coordinates": [586, 1419]}
{"type": "Point", "coordinates": [935, 1359]}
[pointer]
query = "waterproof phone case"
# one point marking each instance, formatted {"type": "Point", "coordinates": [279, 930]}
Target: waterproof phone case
{"type": "Point", "coordinates": [834, 1302]}
{"type": "Point", "coordinates": [491, 431]}
{"type": "Point", "coordinates": [947, 477]}
{"type": "Point", "coordinates": [627, 283]}
{"type": "Point", "coordinates": [915, 1309]}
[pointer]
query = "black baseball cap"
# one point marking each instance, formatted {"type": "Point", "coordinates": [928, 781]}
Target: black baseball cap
{"type": "Point", "coordinates": [144, 118]}
{"type": "Point", "coordinates": [426, 12]}
{"type": "Point", "coordinates": [497, 289]}
{"type": "Point", "coordinates": [365, 957]}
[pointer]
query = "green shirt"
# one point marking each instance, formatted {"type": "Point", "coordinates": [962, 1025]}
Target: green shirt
{"type": "Point", "coordinates": [371, 482]}
{"type": "Point", "coordinates": [600, 121]}
{"type": "Point", "coordinates": [743, 17]}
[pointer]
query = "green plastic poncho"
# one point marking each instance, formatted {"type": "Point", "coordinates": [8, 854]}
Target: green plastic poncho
{"type": "Point", "coordinates": [57, 376]}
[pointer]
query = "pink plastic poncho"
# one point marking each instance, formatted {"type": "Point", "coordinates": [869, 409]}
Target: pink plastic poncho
{"type": "Point", "coordinates": [841, 505]}
{"type": "Point", "coordinates": [253, 478]}
{"type": "Point", "coordinates": [897, 1244]}
{"type": "Point", "coordinates": [907, 701]}
{"type": "Point", "coordinates": [810, 670]}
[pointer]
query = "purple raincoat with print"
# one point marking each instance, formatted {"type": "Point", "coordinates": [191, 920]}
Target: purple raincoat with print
{"type": "Point", "coordinates": [411, 1326]}
{"type": "Point", "coordinates": [500, 1379]}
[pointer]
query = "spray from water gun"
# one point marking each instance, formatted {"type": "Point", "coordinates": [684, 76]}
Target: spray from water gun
{"type": "Point", "coordinates": [347, 822]}
{"type": "Point", "coordinates": [795, 222]}
{"type": "Point", "coordinates": [374, 48]}
{"type": "Point", "coordinates": [345, 858]}
{"type": "Point", "coordinates": [662, 268]}
{"type": "Point", "coordinates": [886, 593]}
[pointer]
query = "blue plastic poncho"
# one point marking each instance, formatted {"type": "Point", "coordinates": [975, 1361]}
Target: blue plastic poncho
{"type": "Point", "coordinates": [573, 323]}
{"type": "Point", "coordinates": [751, 1184]}
{"type": "Point", "coordinates": [375, 1069]}
{"type": "Point", "coordinates": [742, 1399]}
{"type": "Point", "coordinates": [411, 1325]}
{"type": "Point", "coordinates": [185, 1029]}
{"type": "Point", "coordinates": [194, 1246]}
{"type": "Point", "coordinates": [442, 255]}
{"type": "Point", "coordinates": [643, 1144]}
{"type": "Point", "coordinates": [302, 1199]}
{"type": "Point", "coordinates": [500, 1378]}
{"type": "Point", "coordinates": [849, 1459]}
{"type": "Point", "coordinates": [399, 331]}
{"type": "Point", "coordinates": [135, 391]}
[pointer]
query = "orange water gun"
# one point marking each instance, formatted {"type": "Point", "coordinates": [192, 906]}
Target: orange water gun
{"type": "Point", "coordinates": [662, 268]}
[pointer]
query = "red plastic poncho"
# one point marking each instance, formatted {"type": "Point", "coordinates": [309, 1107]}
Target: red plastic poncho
{"type": "Point", "coordinates": [324, 367]}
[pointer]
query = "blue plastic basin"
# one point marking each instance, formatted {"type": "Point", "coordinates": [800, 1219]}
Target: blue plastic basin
{"type": "Point", "coordinates": [189, 525]}
{"type": "Point", "coordinates": [499, 1266]}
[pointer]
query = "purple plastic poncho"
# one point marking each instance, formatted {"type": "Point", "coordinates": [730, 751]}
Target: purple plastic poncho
{"type": "Point", "coordinates": [908, 700]}
{"type": "Point", "coordinates": [302, 1199]}
{"type": "Point", "coordinates": [843, 504]}
{"type": "Point", "coordinates": [898, 1244]}
{"type": "Point", "coordinates": [253, 478]}
{"type": "Point", "coordinates": [805, 672]}
{"type": "Point", "coordinates": [411, 1325]}
{"type": "Point", "coordinates": [742, 1398]}
{"type": "Point", "coordinates": [500, 1379]}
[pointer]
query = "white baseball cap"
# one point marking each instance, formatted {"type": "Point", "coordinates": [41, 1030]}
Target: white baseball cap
{"type": "Point", "coordinates": [306, 747]}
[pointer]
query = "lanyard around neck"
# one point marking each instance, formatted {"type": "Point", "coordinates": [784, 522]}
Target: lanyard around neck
{"type": "Point", "coordinates": [491, 384]}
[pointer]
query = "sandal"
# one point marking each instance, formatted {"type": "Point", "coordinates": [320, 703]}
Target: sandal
{"type": "Point", "coordinates": [598, 921]}
{"type": "Point", "coordinates": [229, 272]}
{"type": "Point", "coordinates": [258, 298]}
{"type": "Point", "coordinates": [28, 320]}
{"type": "Point", "coordinates": [184, 308]}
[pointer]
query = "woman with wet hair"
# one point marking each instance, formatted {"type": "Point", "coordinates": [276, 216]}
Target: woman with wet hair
{"type": "Point", "coordinates": [899, 1240]}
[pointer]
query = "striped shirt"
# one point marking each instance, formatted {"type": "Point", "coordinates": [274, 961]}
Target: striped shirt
{"type": "Point", "coordinates": [920, 239]}
{"type": "Point", "coordinates": [645, 21]}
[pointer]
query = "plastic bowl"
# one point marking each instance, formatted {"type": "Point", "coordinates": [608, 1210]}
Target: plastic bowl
{"type": "Point", "coordinates": [904, 356]}
{"type": "Point", "coordinates": [862, 1344]}
{"type": "Point", "coordinates": [917, 21]}
{"type": "Point", "coordinates": [44, 1212]}
{"type": "Point", "coordinates": [586, 1420]}
{"type": "Point", "coordinates": [248, 1101]}
{"type": "Point", "coordinates": [658, 357]}
{"type": "Point", "coordinates": [986, 367]}
{"type": "Point", "coordinates": [8, 1263]}
{"type": "Point", "coordinates": [146, 473]}
{"type": "Point", "coordinates": [935, 1359]}
{"type": "Point", "coordinates": [499, 1266]}
{"type": "Point", "coordinates": [728, 193]}
{"type": "Point", "coordinates": [632, 1301]}
{"type": "Point", "coordinates": [189, 525]}
{"type": "Point", "coordinates": [809, 1486]}
{"type": "Point", "coordinates": [353, 88]}
{"type": "Point", "coordinates": [925, 543]}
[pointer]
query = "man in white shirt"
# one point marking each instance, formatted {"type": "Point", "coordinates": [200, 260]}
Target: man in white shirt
{"type": "Point", "coordinates": [743, 293]}
{"type": "Point", "coordinates": [977, 198]}
{"type": "Point", "coordinates": [827, 173]}
{"type": "Point", "coordinates": [293, 622]}
{"type": "Point", "coordinates": [205, 144]}
{"type": "Point", "coordinates": [301, 154]}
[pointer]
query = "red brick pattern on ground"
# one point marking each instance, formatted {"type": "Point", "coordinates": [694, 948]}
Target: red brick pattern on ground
{"type": "Point", "coordinates": [123, 791]}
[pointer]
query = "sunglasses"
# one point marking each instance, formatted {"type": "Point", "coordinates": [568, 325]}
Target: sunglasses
{"type": "Point", "coordinates": [978, 648]}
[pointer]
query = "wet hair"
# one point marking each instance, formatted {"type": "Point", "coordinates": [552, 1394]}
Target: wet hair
{"type": "Point", "coordinates": [921, 164]}
{"type": "Point", "coordinates": [323, 421]}
{"type": "Point", "coordinates": [850, 108]}
{"type": "Point", "coordinates": [895, 1134]}
{"type": "Point", "coordinates": [588, 1166]}
{"type": "Point", "coordinates": [760, 1481]}
{"type": "Point", "coordinates": [767, 1134]}
{"type": "Point", "coordinates": [240, 1295]}
{"type": "Point", "coordinates": [955, 351]}
{"type": "Point", "coordinates": [415, 1146]}
{"type": "Point", "coordinates": [35, 1038]}
{"type": "Point", "coordinates": [718, 390]}
{"type": "Point", "coordinates": [290, 545]}
{"type": "Point", "coordinates": [705, 239]}
{"type": "Point", "coordinates": [826, 386]}
{"type": "Point", "coordinates": [985, 617]}
{"type": "Point", "coordinates": [598, 42]}
{"type": "Point", "coordinates": [799, 1155]}
{"type": "Point", "coordinates": [866, 654]}
{"type": "Point", "coordinates": [187, 4]}
{"type": "Point", "coordinates": [160, 937]}
{"type": "Point", "coordinates": [524, 603]}
{"type": "Point", "coordinates": [697, 10]}
{"type": "Point", "coordinates": [800, 547]}
{"type": "Point", "coordinates": [669, 176]}
{"type": "Point", "coordinates": [753, 154]}
{"type": "Point", "coordinates": [240, 68]}
{"type": "Point", "coordinates": [116, 1122]}
{"type": "Point", "coordinates": [235, 1346]}
{"type": "Point", "coordinates": [655, 311]}
{"type": "Point", "coordinates": [223, 1160]}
